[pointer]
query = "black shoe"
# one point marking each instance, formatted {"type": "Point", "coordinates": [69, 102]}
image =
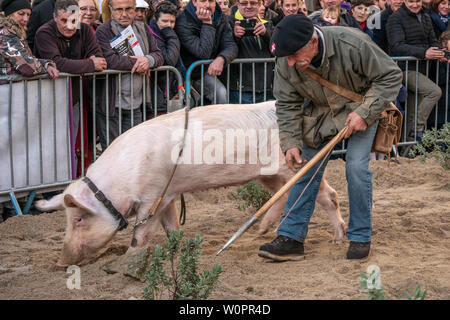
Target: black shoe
{"type": "Point", "coordinates": [358, 250]}
{"type": "Point", "coordinates": [282, 249]}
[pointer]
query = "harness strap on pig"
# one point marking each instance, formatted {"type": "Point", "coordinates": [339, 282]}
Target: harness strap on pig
{"type": "Point", "coordinates": [103, 199]}
{"type": "Point", "coordinates": [155, 206]}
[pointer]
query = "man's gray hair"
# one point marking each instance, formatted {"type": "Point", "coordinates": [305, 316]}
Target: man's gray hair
{"type": "Point", "coordinates": [65, 5]}
{"type": "Point", "coordinates": [111, 1]}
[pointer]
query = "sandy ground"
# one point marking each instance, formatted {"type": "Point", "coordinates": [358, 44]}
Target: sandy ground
{"type": "Point", "coordinates": [411, 232]}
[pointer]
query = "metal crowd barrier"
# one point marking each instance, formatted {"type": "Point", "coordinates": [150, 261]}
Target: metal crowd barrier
{"type": "Point", "coordinates": [342, 148]}
{"type": "Point", "coordinates": [39, 126]}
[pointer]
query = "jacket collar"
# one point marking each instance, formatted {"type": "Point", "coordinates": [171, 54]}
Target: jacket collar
{"type": "Point", "coordinates": [238, 16]}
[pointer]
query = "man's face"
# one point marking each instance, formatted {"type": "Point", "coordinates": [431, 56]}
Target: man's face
{"type": "Point", "coordinates": [414, 5]}
{"type": "Point", "coordinates": [303, 57]}
{"type": "Point", "coordinates": [267, 3]}
{"type": "Point", "coordinates": [166, 20]}
{"type": "Point", "coordinates": [360, 13]}
{"type": "Point", "coordinates": [289, 7]}
{"type": "Point", "coordinates": [66, 22]}
{"type": "Point", "coordinates": [330, 3]}
{"type": "Point", "coordinates": [140, 14]}
{"type": "Point", "coordinates": [249, 8]}
{"type": "Point", "coordinates": [209, 5]}
{"type": "Point", "coordinates": [123, 11]}
{"type": "Point", "coordinates": [395, 4]}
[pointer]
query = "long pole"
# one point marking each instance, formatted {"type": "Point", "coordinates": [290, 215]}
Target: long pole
{"type": "Point", "coordinates": [329, 146]}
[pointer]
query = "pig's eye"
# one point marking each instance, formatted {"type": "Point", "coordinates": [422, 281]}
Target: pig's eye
{"type": "Point", "coordinates": [79, 220]}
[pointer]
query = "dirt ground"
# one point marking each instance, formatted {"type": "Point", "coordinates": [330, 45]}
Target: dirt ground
{"type": "Point", "coordinates": [411, 232]}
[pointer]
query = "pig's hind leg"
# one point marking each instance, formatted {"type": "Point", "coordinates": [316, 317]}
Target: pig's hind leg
{"type": "Point", "coordinates": [328, 199]}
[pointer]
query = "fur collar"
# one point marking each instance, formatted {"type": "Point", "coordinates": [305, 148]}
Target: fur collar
{"type": "Point", "coordinates": [13, 26]}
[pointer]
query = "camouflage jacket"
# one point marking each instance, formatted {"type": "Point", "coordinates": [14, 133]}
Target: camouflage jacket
{"type": "Point", "coordinates": [15, 54]}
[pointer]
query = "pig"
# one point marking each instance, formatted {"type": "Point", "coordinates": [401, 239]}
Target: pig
{"type": "Point", "coordinates": [135, 168]}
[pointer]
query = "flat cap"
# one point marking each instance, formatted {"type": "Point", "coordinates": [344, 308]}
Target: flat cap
{"type": "Point", "coordinates": [291, 34]}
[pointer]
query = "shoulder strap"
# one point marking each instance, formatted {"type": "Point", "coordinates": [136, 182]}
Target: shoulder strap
{"type": "Point", "coordinates": [338, 89]}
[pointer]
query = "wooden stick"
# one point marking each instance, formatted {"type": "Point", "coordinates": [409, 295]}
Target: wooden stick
{"type": "Point", "coordinates": [329, 146]}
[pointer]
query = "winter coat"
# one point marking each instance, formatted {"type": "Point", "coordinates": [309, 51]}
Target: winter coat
{"type": "Point", "coordinates": [252, 47]}
{"type": "Point", "coordinates": [105, 33]}
{"type": "Point", "coordinates": [15, 54]}
{"type": "Point", "coordinates": [408, 36]}
{"type": "Point", "coordinates": [351, 60]}
{"type": "Point", "coordinates": [168, 43]}
{"type": "Point", "coordinates": [70, 55]}
{"type": "Point", "coordinates": [201, 41]}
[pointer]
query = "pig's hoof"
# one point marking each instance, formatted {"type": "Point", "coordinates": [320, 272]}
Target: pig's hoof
{"type": "Point", "coordinates": [134, 263]}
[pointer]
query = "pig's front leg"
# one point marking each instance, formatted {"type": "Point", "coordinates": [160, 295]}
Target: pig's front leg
{"type": "Point", "coordinates": [165, 215]}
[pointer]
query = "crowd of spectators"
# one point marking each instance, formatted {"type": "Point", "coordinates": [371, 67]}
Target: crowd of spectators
{"type": "Point", "coordinates": [45, 37]}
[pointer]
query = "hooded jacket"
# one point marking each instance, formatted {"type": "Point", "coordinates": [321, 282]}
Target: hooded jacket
{"type": "Point", "coordinates": [201, 41]}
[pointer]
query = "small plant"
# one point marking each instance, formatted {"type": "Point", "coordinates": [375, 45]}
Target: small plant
{"type": "Point", "coordinates": [371, 286]}
{"type": "Point", "coordinates": [435, 144]}
{"type": "Point", "coordinates": [173, 271]}
{"type": "Point", "coordinates": [252, 195]}
{"type": "Point", "coordinates": [418, 295]}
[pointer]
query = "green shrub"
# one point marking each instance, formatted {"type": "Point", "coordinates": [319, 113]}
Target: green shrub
{"type": "Point", "coordinates": [252, 195]}
{"type": "Point", "coordinates": [435, 144]}
{"type": "Point", "coordinates": [173, 271]}
{"type": "Point", "coordinates": [418, 295]}
{"type": "Point", "coordinates": [374, 291]}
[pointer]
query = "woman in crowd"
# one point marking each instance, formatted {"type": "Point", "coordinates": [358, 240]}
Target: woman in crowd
{"type": "Point", "coordinates": [15, 54]}
{"type": "Point", "coordinates": [360, 11]}
{"type": "Point", "coordinates": [89, 13]}
{"type": "Point", "coordinates": [286, 8]}
{"type": "Point", "coordinates": [224, 6]}
{"type": "Point", "coordinates": [440, 16]}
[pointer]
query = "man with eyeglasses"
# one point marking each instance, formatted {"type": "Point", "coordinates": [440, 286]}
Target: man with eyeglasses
{"type": "Point", "coordinates": [205, 34]}
{"type": "Point", "coordinates": [252, 35]}
{"type": "Point", "coordinates": [125, 104]}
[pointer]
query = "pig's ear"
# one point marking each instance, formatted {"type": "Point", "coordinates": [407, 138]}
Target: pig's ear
{"type": "Point", "coordinates": [77, 202]}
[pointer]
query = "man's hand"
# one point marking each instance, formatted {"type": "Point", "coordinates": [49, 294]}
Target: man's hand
{"type": "Point", "coordinates": [99, 63]}
{"type": "Point", "coordinates": [434, 53]}
{"type": "Point", "coordinates": [216, 67]}
{"type": "Point", "coordinates": [141, 65]}
{"type": "Point", "coordinates": [294, 160]}
{"type": "Point", "coordinates": [52, 72]}
{"type": "Point", "coordinates": [355, 123]}
{"type": "Point", "coordinates": [204, 15]}
{"type": "Point", "coordinates": [238, 30]}
{"type": "Point", "coordinates": [260, 29]}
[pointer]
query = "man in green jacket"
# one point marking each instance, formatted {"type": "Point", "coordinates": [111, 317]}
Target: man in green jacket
{"type": "Point", "coordinates": [309, 115]}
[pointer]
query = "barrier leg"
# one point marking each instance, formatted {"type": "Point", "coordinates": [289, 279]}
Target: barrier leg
{"type": "Point", "coordinates": [15, 203]}
{"type": "Point", "coordinates": [29, 201]}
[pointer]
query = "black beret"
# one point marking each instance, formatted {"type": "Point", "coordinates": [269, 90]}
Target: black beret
{"type": "Point", "coordinates": [11, 6]}
{"type": "Point", "coordinates": [291, 34]}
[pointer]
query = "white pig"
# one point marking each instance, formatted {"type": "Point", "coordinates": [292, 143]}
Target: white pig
{"type": "Point", "coordinates": [225, 145]}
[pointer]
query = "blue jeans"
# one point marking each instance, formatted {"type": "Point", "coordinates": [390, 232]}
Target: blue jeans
{"type": "Point", "coordinates": [359, 179]}
{"type": "Point", "coordinates": [247, 97]}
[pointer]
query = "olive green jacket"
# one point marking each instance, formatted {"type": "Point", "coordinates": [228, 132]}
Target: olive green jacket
{"type": "Point", "coordinates": [350, 60]}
